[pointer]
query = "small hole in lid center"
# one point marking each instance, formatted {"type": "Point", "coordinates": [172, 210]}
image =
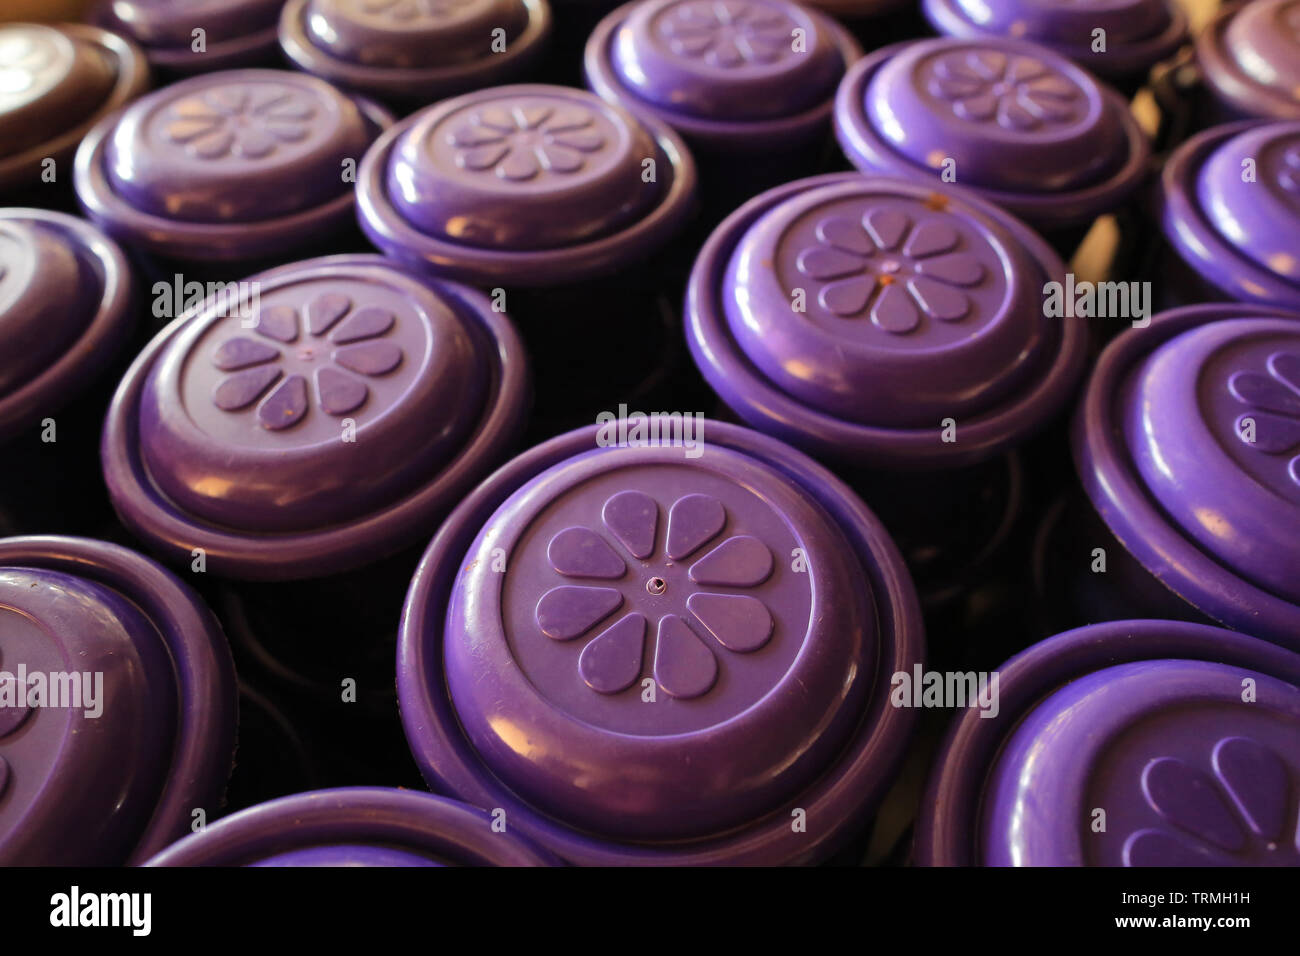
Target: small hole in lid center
{"type": "Point", "coordinates": [656, 586]}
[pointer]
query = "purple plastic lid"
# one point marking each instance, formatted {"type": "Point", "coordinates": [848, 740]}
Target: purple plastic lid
{"type": "Point", "coordinates": [1231, 209]}
{"type": "Point", "coordinates": [55, 83]}
{"type": "Point", "coordinates": [854, 11]}
{"type": "Point", "coordinates": [227, 166]}
{"type": "Point", "coordinates": [113, 773]}
{"type": "Point", "coordinates": [235, 32]}
{"type": "Point", "coordinates": [324, 423]}
{"type": "Point", "coordinates": [1019, 124]}
{"type": "Point", "coordinates": [739, 75]}
{"type": "Point", "coordinates": [853, 315]}
{"type": "Point", "coordinates": [643, 654]}
{"type": "Point", "coordinates": [356, 826]}
{"type": "Point", "coordinates": [65, 312]}
{"type": "Point", "coordinates": [1138, 33]}
{"type": "Point", "coordinates": [1186, 736]}
{"type": "Point", "coordinates": [408, 51]}
{"type": "Point", "coordinates": [540, 185]}
{"type": "Point", "coordinates": [1188, 443]}
{"type": "Point", "coordinates": [1250, 58]}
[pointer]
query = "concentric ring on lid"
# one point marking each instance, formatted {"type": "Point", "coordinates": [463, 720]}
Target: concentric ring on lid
{"type": "Point", "coordinates": [1231, 209]}
{"type": "Point", "coordinates": [65, 312]}
{"type": "Point", "coordinates": [414, 52]}
{"type": "Point", "coordinates": [1144, 719]}
{"type": "Point", "coordinates": [229, 165]}
{"type": "Point", "coordinates": [673, 624]}
{"type": "Point", "coordinates": [112, 772]}
{"type": "Point", "coordinates": [1016, 122]}
{"type": "Point", "coordinates": [1188, 773]}
{"type": "Point", "coordinates": [854, 315]}
{"type": "Point", "coordinates": [236, 33]}
{"type": "Point", "coordinates": [55, 83]}
{"type": "Point", "coordinates": [1138, 33]}
{"type": "Point", "coordinates": [356, 826]}
{"type": "Point", "coordinates": [1250, 57]}
{"type": "Point", "coordinates": [1197, 502]}
{"type": "Point", "coordinates": [318, 419]}
{"type": "Point", "coordinates": [538, 184]}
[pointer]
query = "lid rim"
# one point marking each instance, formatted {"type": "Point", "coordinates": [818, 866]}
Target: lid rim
{"type": "Point", "coordinates": [1239, 92]}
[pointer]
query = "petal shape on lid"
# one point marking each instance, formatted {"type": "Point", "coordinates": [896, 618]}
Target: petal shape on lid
{"type": "Point", "coordinates": [364, 323]}
{"type": "Point", "coordinates": [684, 666]}
{"type": "Point", "coordinates": [1264, 391]}
{"type": "Point", "coordinates": [633, 518]}
{"type": "Point", "coordinates": [1257, 781]}
{"type": "Point", "coordinates": [11, 718]}
{"type": "Point", "coordinates": [237, 353]}
{"type": "Point", "coordinates": [566, 612]}
{"type": "Point", "coordinates": [612, 661]}
{"type": "Point", "coordinates": [285, 406]}
{"type": "Point", "coordinates": [585, 141]}
{"type": "Point", "coordinates": [482, 157]}
{"type": "Point", "coordinates": [324, 310]}
{"type": "Point", "coordinates": [960, 268]}
{"type": "Point", "coordinates": [1158, 848]}
{"type": "Point", "coordinates": [930, 239]}
{"type": "Point", "coordinates": [472, 134]}
{"type": "Point", "coordinates": [243, 388]}
{"type": "Point", "coordinates": [976, 108]}
{"type": "Point", "coordinates": [887, 227]}
{"type": "Point", "coordinates": [825, 262]}
{"type": "Point", "coordinates": [369, 358]}
{"type": "Point", "coordinates": [693, 520]}
{"type": "Point", "coordinates": [737, 621]}
{"type": "Point", "coordinates": [1011, 115]}
{"type": "Point", "coordinates": [279, 322]}
{"type": "Point", "coordinates": [559, 159]}
{"type": "Point", "coordinates": [1286, 365]}
{"type": "Point", "coordinates": [848, 297]}
{"type": "Point", "coordinates": [338, 393]}
{"type": "Point", "coordinates": [895, 311]}
{"type": "Point", "coordinates": [518, 165]}
{"type": "Point", "coordinates": [739, 562]}
{"type": "Point", "coordinates": [1189, 799]}
{"type": "Point", "coordinates": [581, 553]}
{"type": "Point", "coordinates": [1273, 434]}
{"type": "Point", "coordinates": [939, 301]}
{"type": "Point", "coordinates": [1023, 69]}
{"type": "Point", "coordinates": [845, 234]}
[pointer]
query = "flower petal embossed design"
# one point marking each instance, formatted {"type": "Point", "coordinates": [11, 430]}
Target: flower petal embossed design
{"type": "Point", "coordinates": [406, 12]}
{"type": "Point", "coordinates": [520, 143]}
{"type": "Point", "coordinates": [291, 347]}
{"type": "Point", "coordinates": [893, 267]}
{"type": "Point", "coordinates": [1214, 818]}
{"type": "Point", "coordinates": [1018, 93]}
{"type": "Point", "coordinates": [1273, 424]}
{"type": "Point", "coordinates": [691, 624]}
{"type": "Point", "coordinates": [727, 35]}
{"type": "Point", "coordinates": [240, 121]}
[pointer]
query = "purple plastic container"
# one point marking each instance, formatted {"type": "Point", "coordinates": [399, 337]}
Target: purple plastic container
{"type": "Point", "coordinates": [1016, 122]}
{"type": "Point", "coordinates": [1230, 209]}
{"type": "Point", "coordinates": [737, 81]}
{"type": "Point", "coordinates": [234, 33]}
{"type": "Point", "coordinates": [1188, 444]}
{"type": "Point", "coordinates": [116, 781]}
{"type": "Point", "coordinates": [645, 656]}
{"type": "Point", "coordinates": [335, 423]}
{"type": "Point", "coordinates": [409, 54]}
{"type": "Point", "coordinates": [1186, 738]}
{"type": "Point", "coordinates": [356, 826]}
{"type": "Point", "coordinates": [1137, 34]}
{"type": "Point", "coordinates": [1249, 58]}
{"type": "Point", "coordinates": [59, 82]}
{"type": "Point", "coordinates": [232, 168]}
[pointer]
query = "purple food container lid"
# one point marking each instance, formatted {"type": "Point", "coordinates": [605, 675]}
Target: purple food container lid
{"type": "Point", "coordinates": [228, 166]}
{"type": "Point", "coordinates": [1016, 122]}
{"type": "Point", "coordinates": [84, 788]}
{"type": "Point", "coordinates": [59, 82]}
{"type": "Point", "coordinates": [1188, 443]}
{"type": "Point", "coordinates": [731, 78]}
{"type": "Point", "coordinates": [1138, 33]}
{"type": "Point", "coordinates": [856, 11]}
{"type": "Point", "coordinates": [236, 33]}
{"type": "Point", "coordinates": [357, 826]}
{"type": "Point", "coordinates": [530, 184]}
{"type": "Point", "coordinates": [415, 52]}
{"type": "Point", "coordinates": [329, 421]}
{"type": "Point", "coordinates": [1249, 57]}
{"type": "Point", "coordinates": [642, 655]}
{"type": "Point", "coordinates": [1230, 207]}
{"type": "Point", "coordinates": [920, 303]}
{"type": "Point", "coordinates": [65, 312]}
{"type": "Point", "coordinates": [1185, 735]}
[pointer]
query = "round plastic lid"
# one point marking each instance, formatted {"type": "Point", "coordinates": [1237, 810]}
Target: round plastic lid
{"type": "Point", "coordinates": [356, 826]}
{"type": "Point", "coordinates": [1213, 425]}
{"type": "Point", "coordinates": [726, 61]}
{"type": "Point", "coordinates": [647, 653]}
{"type": "Point", "coordinates": [854, 315]}
{"type": "Point", "coordinates": [340, 395]}
{"type": "Point", "coordinates": [406, 34]}
{"type": "Point", "coordinates": [1250, 55]}
{"type": "Point", "coordinates": [235, 32]}
{"type": "Point", "coordinates": [1187, 773]}
{"type": "Point", "coordinates": [65, 294]}
{"type": "Point", "coordinates": [117, 704]}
